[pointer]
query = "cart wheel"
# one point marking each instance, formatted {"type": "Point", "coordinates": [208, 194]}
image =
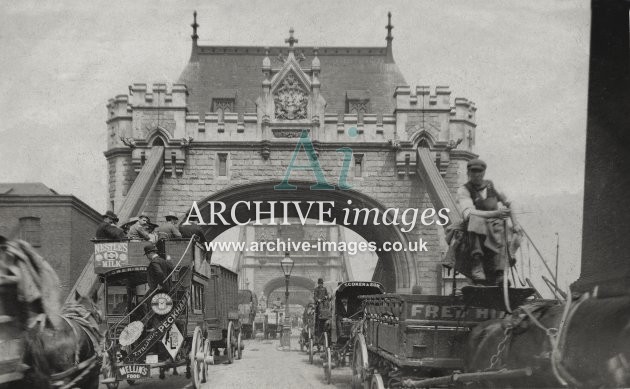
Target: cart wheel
{"type": "Point", "coordinates": [359, 363]}
{"type": "Point", "coordinates": [204, 366]}
{"type": "Point", "coordinates": [328, 366]}
{"type": "Point", "coordinates": [377, 382]}
{"type": "Point", "coordinates": [310, 350]}
{"type": "Point", "coordinates": [239, 347]}
{"type": "Point", "coordinates": [196, 358]}
{"type": "Point", "coordinates": [229, 341]}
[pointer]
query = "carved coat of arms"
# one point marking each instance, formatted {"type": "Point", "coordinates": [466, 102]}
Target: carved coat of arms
{"type": "Point", "coordinates": [290, 99]}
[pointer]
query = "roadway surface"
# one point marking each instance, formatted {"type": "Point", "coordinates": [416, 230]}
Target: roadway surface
{"type": "Point", "coordinates": [264, 365]}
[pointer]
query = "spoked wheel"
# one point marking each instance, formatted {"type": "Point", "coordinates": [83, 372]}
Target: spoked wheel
{"type": "Point", "coordinates": [328, 360]}
{"type": "Point", "coordinates": [310, 351]}
{"type": "Point", "coordinates": [207, 352]}
{"type": "Point", "coordinates": [328, 366]}
{"type": "Point", "coordinates": [229, 342]}
{"type": "Point", "coordinates": [359, 363]}
{"type": "Point", "coordinates": [377, 382]}
{"type": "Point", "coordinates": [197, 358]}
{"type": "Point", "coordinates": [239, 347]}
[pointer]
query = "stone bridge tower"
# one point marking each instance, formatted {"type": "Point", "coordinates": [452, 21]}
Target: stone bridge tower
{"type": "Point", "coordinates": [228, 129]}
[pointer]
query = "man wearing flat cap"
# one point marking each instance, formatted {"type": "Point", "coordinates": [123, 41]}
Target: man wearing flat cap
{"type": "Point", "coordinates": [108, 230]}
{"type": "Point", "coordinates": [158, 269]}
{"type": "Point", "coordinates": [169, 230]}
{"type": "Point", "coordinates": [485, 209]}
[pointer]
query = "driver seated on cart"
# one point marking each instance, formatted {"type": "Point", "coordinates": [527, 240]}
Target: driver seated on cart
{"type": "Point", "coordinates": [485, 209]}
{"type": "Point", "coordinates": [320, 297]}
{"type": "Point", "coordinates": [343, 309]}
{"type": "Point", "coordinates": [343, 312]}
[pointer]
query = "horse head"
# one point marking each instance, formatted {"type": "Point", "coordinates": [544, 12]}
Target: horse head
{"type": "Point", "coordinates": [89, 303]}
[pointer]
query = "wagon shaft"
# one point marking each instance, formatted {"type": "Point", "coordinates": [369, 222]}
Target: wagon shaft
{"type": "Point", "coordinates": [468, 377]}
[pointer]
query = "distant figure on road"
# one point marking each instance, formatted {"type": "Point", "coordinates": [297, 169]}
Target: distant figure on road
{"type": "Point", "coordinates": [169, 230]}
{"type": "Point", "coordinates": [108, 230]}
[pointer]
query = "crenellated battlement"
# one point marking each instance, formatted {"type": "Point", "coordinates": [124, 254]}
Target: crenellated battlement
{"type": "Point", "coordinates": [423, 97]}
{"type": "Point", "coordinates": [159, 95]}
{"type": "Point", "coordinates": [333, 128]}
{"type": "Point", "coordinates": [464, 109]}
{"type": "Point", "coordinates": [118, 107]}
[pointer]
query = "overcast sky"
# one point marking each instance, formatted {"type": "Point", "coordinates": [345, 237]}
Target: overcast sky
{"type": "Point", "coordinates": [524, 64]}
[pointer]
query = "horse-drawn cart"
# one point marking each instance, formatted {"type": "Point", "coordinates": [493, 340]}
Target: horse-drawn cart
{"type": "Point", "coordinates": [417, 341]}
{"type": "Point", "coordinates": [247, 307]}
{"type": "Point", "coordinates": [345, 314]}
{"type": "Point", "coordinates": [185, 325]}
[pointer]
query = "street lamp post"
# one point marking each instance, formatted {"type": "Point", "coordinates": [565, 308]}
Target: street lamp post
{"type": "Point", "coordinates": [287, 267]}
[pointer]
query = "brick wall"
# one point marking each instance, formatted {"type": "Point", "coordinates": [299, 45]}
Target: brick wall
{"type": "Point", "coordinates": [65, 233]}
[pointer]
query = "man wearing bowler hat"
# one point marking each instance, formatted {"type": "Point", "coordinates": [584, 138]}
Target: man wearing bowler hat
{"type": "Point", "coordinates": [108, 230]}
{"type": "Point", "coordinates": [158, 269]}
{"type": "Point", "coordinates": [169, 230]}
{"type": "Point", "coordinates": [485, 208]}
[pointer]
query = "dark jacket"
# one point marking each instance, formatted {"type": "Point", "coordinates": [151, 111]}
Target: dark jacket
{"type": "Point", "coordinates": [157, 271]}
{"type": "Point", "coordinates": [320, 293]}
{"type": "Point", "coordinates": [109, 231]}
{"type": "Point", "coordinates": [192, 229]}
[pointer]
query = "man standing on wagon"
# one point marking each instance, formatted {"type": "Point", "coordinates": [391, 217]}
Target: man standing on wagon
{"type": "Point", "coordinates": [158, 270]}
{"type": "Point", "coordinates": [485, 208]}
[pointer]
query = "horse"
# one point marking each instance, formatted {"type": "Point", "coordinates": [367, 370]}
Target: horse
{"type": "Point", "coordinates": [60, 345]}
{"type": "Point", "coordinates": [68, 356]}
{"type": "Point", "coordinates": [585, 343]}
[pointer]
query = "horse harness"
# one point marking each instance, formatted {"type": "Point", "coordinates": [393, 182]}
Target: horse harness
{"type": "Point", "coordinates": [78, 318]}
{"type": "Point", "coordinates": [557, 336]}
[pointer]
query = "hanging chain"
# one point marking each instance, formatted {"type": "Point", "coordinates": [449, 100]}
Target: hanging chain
{"type": "Point", "coordinates": [496, 358]}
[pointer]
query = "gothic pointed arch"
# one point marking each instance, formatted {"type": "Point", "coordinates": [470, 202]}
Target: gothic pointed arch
{"type": "Point", "coordinates": [422, 137]}
{"type": "Point", "coordinates": [158, 133]}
